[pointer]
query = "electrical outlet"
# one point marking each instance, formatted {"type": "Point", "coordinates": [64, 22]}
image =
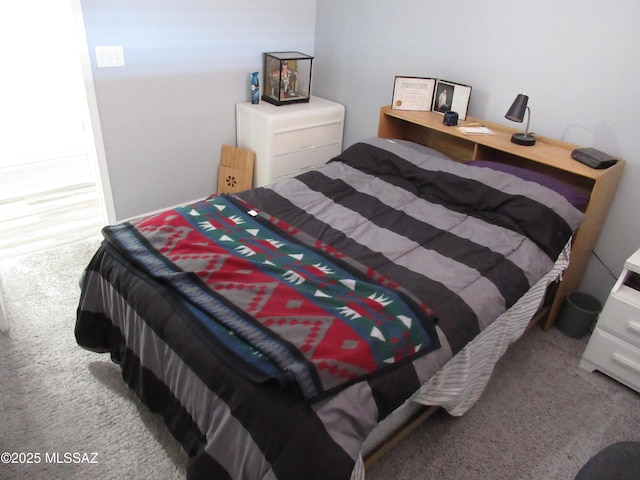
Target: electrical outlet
{"type": "Point", "coordinates": [111, 56]}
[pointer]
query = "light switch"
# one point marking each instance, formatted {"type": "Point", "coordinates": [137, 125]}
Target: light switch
{"type": "Point", "coordinates": [109, 56]}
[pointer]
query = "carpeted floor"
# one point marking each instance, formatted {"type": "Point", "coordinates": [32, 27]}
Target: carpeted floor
{"type": "Point", "coordinates": [542, 417]}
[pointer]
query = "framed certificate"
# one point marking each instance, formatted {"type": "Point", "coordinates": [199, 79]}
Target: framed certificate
{"type": "Point", "coordinates": [413, 93]}
{"type": "Point", "coordinates": [451, 97]}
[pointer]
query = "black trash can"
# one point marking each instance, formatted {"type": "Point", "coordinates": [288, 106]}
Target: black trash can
{"type": "Point", "coordinates": [578, 314]}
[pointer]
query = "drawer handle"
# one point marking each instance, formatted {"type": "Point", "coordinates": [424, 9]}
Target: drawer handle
{"type": "Point", "coordinates": [634, 327]}
{"type": "Point", "coordinates": [625, 362]}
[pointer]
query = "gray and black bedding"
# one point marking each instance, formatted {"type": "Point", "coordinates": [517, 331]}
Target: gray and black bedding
{"type": "Point", "coordinates": [274, 328]}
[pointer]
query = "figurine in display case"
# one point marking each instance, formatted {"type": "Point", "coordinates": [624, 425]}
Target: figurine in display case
{"type": "Point", "coordinates": [288, 77]}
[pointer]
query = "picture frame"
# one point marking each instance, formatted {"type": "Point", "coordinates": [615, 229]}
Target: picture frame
{"type": "Point", "coordinates": [451, 97]}
{"type": "Point", "coordinates": [413, 93]}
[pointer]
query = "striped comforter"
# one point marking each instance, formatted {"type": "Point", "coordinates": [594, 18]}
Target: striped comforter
{"type": "Point", "coordinates": [465, 241]}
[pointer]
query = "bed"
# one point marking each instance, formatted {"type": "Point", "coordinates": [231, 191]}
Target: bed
{"type": "Point", "coordinates": [276, 329]}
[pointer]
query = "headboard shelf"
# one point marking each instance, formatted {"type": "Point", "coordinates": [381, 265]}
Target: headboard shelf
{"type": "Point", "coordinates": [548, 156]}
{"type": "Point", "coordinates": [427, 127]}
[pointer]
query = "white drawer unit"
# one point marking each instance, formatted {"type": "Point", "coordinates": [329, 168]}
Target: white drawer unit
{"type": "Point", "coordinates": [614, 346]}
{"type": "Point", "coordinates": [289, 139]}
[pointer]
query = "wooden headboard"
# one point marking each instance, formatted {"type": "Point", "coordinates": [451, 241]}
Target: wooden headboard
{"type": "Point", "coordinates": [548, 156]}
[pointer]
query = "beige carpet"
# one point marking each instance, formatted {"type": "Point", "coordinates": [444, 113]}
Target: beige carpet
{"type": "Point", "coordinates": [542, 417]}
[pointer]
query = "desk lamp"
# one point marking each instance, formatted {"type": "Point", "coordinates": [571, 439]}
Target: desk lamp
{"type": "Point", "coordinates": [516, 114]}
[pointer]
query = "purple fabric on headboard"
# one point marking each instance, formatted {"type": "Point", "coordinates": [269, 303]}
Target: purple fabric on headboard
{"type": "Point", "coordinates": [578, 197]}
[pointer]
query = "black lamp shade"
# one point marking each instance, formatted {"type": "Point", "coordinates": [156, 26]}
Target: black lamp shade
{"type": "Point", "coordinates": [518, 108]}
{"type": "Point", "coordinates": [516, 114]}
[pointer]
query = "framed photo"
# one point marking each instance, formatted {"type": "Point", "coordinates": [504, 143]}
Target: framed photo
{"type": "Point", "coordinates": [413, 93]}
{"type": "Point", "coordinates": [449, 96]}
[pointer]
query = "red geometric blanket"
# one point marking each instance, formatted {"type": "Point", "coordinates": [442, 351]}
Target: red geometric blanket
{"type": "Point", "coordinates": [289, 310]}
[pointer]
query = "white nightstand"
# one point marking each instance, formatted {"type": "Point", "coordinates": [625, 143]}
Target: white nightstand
{"type": "Point", "coordinates": [289, 139]}
{"type": "Point", "coordinates": [614, 346]}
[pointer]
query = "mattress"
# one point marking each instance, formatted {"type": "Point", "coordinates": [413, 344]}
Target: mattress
{"type": "Point", "coordinates": [275, 328]}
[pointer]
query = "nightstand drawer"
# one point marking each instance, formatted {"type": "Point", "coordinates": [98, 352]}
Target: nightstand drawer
{"type": "Point", "coordinates": [303, 160]}
{"type": "Point", "coordinates": [622, 319]}
{"type": "Point", "coordinates": [292, 174]}
{"type": "Point", "coordinates": [615, 357]}
{"type": "Point", "coordinates": [307, 138]}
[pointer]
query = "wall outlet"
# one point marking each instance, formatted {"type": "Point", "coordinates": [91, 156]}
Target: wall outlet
{"type": "Point", "coordinates": [111, 56]}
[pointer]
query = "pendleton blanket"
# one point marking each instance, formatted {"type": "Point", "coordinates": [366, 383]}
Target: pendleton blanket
{"type": "Point", "coordinates": [276, 308]}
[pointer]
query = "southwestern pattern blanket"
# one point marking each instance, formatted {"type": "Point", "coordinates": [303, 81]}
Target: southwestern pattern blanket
{"type": "Point", "coordinates": [287, 312]}
{"type": "Point", "coordinates": [244, 387]}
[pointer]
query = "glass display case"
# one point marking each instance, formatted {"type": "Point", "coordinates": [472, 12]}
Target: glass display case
{"type": "Point", "coordinates": [287, 77]}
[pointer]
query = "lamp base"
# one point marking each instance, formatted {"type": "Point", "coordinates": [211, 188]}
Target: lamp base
{"type": "Point", "coordinates": [523, 139]}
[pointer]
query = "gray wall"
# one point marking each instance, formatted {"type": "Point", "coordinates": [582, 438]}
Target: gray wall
{"type": "Point", "coordinates": [167, 112]}
{"type": "Point", "coordinates": [576, 59]}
